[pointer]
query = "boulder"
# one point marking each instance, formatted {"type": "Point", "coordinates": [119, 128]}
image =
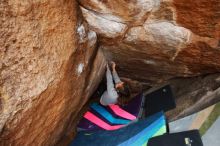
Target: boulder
{"type": "Point", "coordinates": [49, 67]}
{"type": "Point", "coordinates": [157, 40]}
{"type": "Point", "coordinates": [53, 55]}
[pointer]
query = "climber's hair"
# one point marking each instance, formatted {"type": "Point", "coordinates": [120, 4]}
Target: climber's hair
{"type": "Point", "coordinates": [124, 93]}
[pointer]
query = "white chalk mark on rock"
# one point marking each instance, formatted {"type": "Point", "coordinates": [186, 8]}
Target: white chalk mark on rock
{"type": "Point", "coordinates": [80, 69]}
{"type": "Point", "coordinates": [82, 33]}
{"type": "Point", "coordinates": [150, 62]}
{"type": "Point", "coordinates": [92, 37]}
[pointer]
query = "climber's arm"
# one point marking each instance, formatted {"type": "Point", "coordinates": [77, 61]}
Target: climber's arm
{"type": "Point", "coordinates": [115, 74]}
{"type": "Point", "coordinates": [110, 84]}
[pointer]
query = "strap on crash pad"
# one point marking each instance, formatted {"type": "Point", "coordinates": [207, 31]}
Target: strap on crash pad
{"type": "Point", "coordinates": [122, 113]}
{"type": "Point", "coordinates": [94, 119]}
{"type": "Point", "coordinates": [108, 116]}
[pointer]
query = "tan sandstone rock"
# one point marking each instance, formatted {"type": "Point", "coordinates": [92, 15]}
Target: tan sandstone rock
{"type": "Point", "coordinates": [49, 66]}
{"type": "Point", "coordinates": [178, 38]}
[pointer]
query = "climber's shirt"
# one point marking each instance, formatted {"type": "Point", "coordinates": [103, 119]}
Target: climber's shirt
{"type": "Point", "coordinates": [110, 95]}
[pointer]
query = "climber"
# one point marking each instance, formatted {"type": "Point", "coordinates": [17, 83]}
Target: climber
{"type": "Point", "coordinates": [119, 92]}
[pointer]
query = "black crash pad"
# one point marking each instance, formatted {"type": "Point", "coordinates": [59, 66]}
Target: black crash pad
{"type": "Point", "coordinates": [186, 138]}
{"type": "Point", "coordinates": [159, 100]}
